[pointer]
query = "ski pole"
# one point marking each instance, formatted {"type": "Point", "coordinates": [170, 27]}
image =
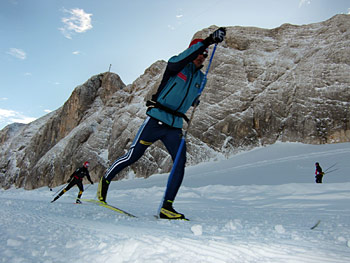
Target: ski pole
{"type": "Point", "coordinates": [87, 187]}
{"type": "Point", "coordinates": [331, 171]}
{"type": "Point", "coordinates": [60, 189]}
{"type": "Point", "coordinates": [330, 167]}
{"type": "Point", "coordinates": [183, 139]}
{"type": "Point", "coordinates": [63, 186]}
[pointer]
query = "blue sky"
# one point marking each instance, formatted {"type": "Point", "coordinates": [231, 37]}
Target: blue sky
{"type": "Point", "coordinates": [48, 47]}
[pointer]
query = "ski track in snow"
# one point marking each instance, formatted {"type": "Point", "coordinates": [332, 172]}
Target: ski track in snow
{"type": "Point", "coordinates": [230, 222]}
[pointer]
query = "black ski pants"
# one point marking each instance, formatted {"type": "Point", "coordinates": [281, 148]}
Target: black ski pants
{"type": "Point", "coordinates": [72, 183]}
{"type": "Point", "coordinates": [151, 131]}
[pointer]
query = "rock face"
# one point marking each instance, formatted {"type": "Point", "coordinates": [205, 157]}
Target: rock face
{"type": "Point", "coordinates": [291, 83]}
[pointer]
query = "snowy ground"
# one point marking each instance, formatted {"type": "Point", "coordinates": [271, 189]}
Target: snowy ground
{"type": "Point", "coordinates": [258, 206]}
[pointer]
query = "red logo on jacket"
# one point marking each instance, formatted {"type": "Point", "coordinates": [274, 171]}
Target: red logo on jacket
{"type": "Point", "coordinates": [182, 76]}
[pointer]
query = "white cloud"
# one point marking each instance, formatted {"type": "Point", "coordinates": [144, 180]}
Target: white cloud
{"type": "Point", "coordinates": [17, 53]}
{"type": "Point", "coordinates": [47, 111]}
{"type": "Point", "coordinates": [77, 22]}
{"type": "Point", "coordinates": [10, 116]}
{"type": "Point", "coordinates": [303, 2]}
{"type": "Point", "coordinates": [23, 119]}
{"type": "Point", "coordinates": [6, 113]}
{"type": "Point", "coordinates": [348, 11]}
{"type": "Point", "coordinates": [179, 17]}
{"type": "Point", "coordinates": [54, 82]}
{"type": "Point", "coordinates": [171, 27]}
{"type": "Point", "coordinates": [3, 98]}
{"type": "Point", "coordinates": [76, 52]}
{"type": "Point", "coordinates": [14, 2]}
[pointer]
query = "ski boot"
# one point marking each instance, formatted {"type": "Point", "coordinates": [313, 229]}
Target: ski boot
{"type": "Point", "coordinates": [168, 212]}
{"type": "Point", "coordinates": [78, 201]}
{"type": "Point", "coordinates": [102, 189]}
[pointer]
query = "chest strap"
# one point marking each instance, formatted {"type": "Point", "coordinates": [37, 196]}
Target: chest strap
{"type": "Point", "coordinates": [154, 104]}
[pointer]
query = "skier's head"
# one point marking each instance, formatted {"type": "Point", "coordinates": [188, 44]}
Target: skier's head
{"type": "Point", "coordinates": [86, 164]}
{"type": "Point", "coordinates": [317, 164]}
{"type": "Point", "coordinates": [201, 57]}
{"type": "Point", "coordinates": [195, 41]}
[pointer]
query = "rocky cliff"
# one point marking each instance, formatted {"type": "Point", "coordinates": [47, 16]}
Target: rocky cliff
{"type": "Point", "coordinates": [290, 83]}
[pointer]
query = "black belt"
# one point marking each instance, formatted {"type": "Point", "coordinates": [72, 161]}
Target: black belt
{"type": "Point", "coordinates": [153, 104]}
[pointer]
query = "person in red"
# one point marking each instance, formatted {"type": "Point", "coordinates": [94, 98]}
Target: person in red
{"type": "Point", "coordinates": [319, 173]}
{"type": "Point", "coordinates": [76, 179]}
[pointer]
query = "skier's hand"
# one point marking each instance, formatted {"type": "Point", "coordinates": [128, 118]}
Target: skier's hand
{"type": "Point", "coordinates": [196, 102]}
{"type": "Point", "coordinates": [151, 103]}
{"type": "Point", "coordinates": [218, 35]}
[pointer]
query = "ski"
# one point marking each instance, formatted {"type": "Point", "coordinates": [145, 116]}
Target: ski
{"type": "Point", "coordinates": [111, 207]}
{"type": "Point", "coordinates": [316, 225]}
{"type": "Point", "coordinates": [179, 219]}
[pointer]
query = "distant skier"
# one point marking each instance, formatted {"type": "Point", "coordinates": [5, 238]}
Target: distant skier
{"type": "Point", "coordinates": [319, 173]}
{"type": "Point", "coordinates": [76, 179]}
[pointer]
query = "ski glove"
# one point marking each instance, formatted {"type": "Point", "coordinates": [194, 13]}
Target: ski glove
{"type": "Point", "coordinates": [218, 35]}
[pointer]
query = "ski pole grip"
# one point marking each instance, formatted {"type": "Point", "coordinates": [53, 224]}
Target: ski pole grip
{"type": "Point", "coordinates": [204, 81]}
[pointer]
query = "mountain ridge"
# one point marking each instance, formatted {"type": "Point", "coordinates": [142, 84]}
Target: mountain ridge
{"type": "Point", "coordinates": [289, 83]}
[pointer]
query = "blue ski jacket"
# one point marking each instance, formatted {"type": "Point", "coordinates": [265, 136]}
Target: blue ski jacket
{"type": "Point", "coordinates": [179, 87]}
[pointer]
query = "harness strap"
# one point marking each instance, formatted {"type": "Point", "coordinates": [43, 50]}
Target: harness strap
{"type": "Point", "coordinates": [154, 104]}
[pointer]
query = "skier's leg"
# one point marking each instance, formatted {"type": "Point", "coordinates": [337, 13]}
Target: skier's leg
{"type": "Point", "coordinates": [147, 134]}
{"type": "Point", "coordinates": [69, 186]}
{"type": "Point", "coordinates": [172, 142]}
{"type": "Point", "coordinates": [81, 190]}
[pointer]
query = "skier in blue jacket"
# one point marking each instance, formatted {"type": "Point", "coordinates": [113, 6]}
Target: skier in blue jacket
{"type": "Point", "coordinates": [176, 93]}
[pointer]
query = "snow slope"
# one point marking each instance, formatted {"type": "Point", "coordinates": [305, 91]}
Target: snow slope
{"type": "Point", "coordinates": [257, 206]}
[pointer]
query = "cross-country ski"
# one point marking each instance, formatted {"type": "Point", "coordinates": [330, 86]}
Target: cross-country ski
{"type": "Point", "coordinates": [111, 207]}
